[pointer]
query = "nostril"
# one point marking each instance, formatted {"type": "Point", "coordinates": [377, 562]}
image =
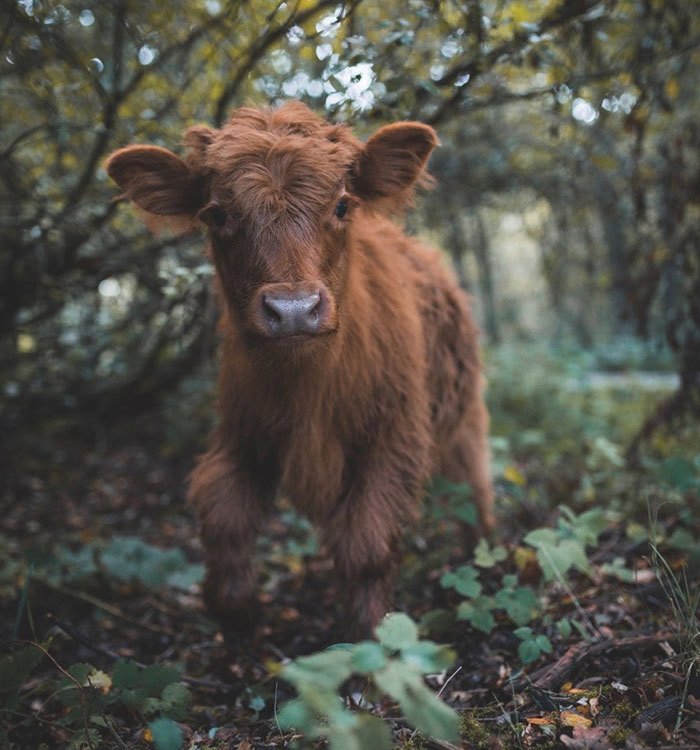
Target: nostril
{"type": "Point", "coordinates": [315, 304]}
{"type": "Point", "coordinates": [271, 312]}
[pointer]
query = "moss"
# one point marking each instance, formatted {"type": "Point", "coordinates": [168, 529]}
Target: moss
{"type": "Point", "coordinates": [619, 736]}
{"type": "Point", "coordinates": [624, 711]}
{"type": "Point", "coordinates": [473, 732]}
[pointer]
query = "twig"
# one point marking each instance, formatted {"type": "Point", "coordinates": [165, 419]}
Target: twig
{"type": "Point", "coordinates": [549, 677]}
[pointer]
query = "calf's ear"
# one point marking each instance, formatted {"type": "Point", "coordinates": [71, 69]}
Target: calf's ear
{"type": "Point", "coordinates": [394, 159]}
{"type": "Point", "coordinates": [159, 183]}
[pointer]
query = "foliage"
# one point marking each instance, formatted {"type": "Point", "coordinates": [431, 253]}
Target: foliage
{"type": "Point", "coordinates": [91, 697]}
{"type": "Point", "coordinates": [525, 96]}
{"type": "Point", "coordinates": [395, 665]}
{"type": "Point", "coordinates": [124, 558]}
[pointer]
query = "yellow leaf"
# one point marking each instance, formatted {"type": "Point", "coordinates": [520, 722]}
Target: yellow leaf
{"type": "Point", "coordinates": [539, 720]}
{"type": "Point", "coordinates": [148, 735]}
{"type": "Point", "coordinates": [525, 557]}
{"type": "Point", "coordinates": [100, 680]}
{"type": "Point", "coordinates": [572, 719]}
{"type": "Point", "coordinates": [513, 474]}
{"type": "Point", "coordinates": [273, 667]}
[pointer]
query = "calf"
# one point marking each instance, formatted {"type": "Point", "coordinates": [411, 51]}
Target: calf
{"type": "Point", "coordinates": [350, 370]}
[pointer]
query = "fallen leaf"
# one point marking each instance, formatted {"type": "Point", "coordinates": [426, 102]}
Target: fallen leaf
{"type": "Point", "coordinates": [586, 738]}
{"type": "Point", "coordinates": [572, 719]}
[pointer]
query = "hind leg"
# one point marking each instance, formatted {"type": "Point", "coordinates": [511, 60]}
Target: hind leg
{"type": "Point", "coordinates": [466, 458]}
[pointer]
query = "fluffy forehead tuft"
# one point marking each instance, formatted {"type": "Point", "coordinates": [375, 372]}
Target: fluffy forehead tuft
{"type": "Point", "coordinates": [271, 163]}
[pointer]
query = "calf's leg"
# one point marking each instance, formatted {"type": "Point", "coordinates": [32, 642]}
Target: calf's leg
{"type": "Point", "coordinates": [364, 531]}
{"type": "Point", "coordinates": [231, 510]}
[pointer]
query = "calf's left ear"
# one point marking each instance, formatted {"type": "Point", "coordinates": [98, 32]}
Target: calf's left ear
{"type": "Point", "coordinates": [394, 159]}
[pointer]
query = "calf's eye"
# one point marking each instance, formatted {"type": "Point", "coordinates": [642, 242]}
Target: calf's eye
{"type": "Point", "coordinates": [217, 215]}
{"type": "Point", "coordinates": [341, 209]}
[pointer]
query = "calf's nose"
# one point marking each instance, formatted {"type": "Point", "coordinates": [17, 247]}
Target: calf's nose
{"type": "Point", "coordinates": [291, 314]}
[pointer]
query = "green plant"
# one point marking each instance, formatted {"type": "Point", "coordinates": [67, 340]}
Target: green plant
{"type": "Point", "coordinates": [532, 645]}
{"type": "Point", "coordinates": [125, 558]}
{"type": "Point", "coordinates": [451, 501]}
{"type": "Point", "coordinates": [395, 665]}
{"type": "Point", "coordinates": [683, 594]}
{"type": "Point", "coordinates": [89, 695]}
{"type": "Point", "coordinates": [564, 547]}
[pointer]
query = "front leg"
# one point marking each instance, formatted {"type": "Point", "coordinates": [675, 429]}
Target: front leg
{"type": "Point", "coordinates": [364, 532]}
{"type": "Point", "coordinates": [232, 508]}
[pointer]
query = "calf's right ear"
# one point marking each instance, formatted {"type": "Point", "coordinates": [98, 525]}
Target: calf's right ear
{"type": "Point", "coordinates": [158, 182]}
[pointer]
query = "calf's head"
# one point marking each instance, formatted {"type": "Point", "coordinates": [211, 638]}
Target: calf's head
{"type": "Point", "coordinates": [278, 191]}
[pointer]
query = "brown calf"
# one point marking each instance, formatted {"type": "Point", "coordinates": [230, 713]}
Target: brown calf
{"type": "Point", "coordinates": [350, 370]}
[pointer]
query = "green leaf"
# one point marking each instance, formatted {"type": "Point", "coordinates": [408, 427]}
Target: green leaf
{"type": "Point", "coordinates": [619, 570]}
{"type": "Point", "coordinates": [324, 671]}
{"type": "Point", "coordinates": [16, 667]}
{"type": "Point", "coordinates": [544, 644]}
{"type": "Point", "coordinates": [362, 732]}
{"type": "Point", "coordinates": [428, 657]}
{"type": "Point", "coordinates": [586, 527]}
{"type": "Point", "coordinates": [175, 701]}
{"type": "Point", "coordinates": [557, 556]}
{"type": "Point", "coordinates": [485, 557]}
{"type": "Point", "coordinates": [167, 735]}
{"type": "Point", "coordinates": [528, 651]}
{"type": "Point", "coordinates": [564, 627]}
{"type": "Point", "coordinates": [478, 612]}
{"type": "Point", "coordinates": [421, 707]}
{"type": "Point", "coordinates": [464, 580]}
{"type": "Point", "coordinates": [295, 715]}
{"type": "Point", "coordinates": [520, 603]}
{"type": "Point", "coordinates": [368, 657]}
{"type": "Point", "coordinates": [436, 621]}
{"type": "Point", "coordinates": [397, 631]}
{"type": "Point", "coordinates": [85, 739]}
{"type": "Point", "coordinates": [156, 677]}
{"type": "Point", "coordinates": [126, 675]}
{"type": "Point", "coordinates": [679, 473]}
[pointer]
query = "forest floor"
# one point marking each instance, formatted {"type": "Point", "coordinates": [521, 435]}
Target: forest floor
{"type": "Point", "coordinates": [100, 583]}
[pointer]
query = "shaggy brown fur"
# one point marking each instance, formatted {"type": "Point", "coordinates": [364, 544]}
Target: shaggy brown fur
{"type": "Point", "coordinates": [347, 422]}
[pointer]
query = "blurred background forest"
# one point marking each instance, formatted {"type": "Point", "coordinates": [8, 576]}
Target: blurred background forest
{"type": "Point", "coordinates": [567, 198]}
{"type": "Point", "coordinates": [568, 182]}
